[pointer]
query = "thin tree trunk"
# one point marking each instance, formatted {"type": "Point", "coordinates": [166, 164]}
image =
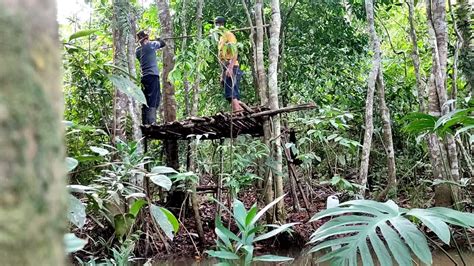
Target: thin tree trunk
{"type": "Point", "coordinates": [169, 101]}
{"type": "Point", "coordinates": [465, 19]}
{"type": "Point", "coordinates": [263, 93]}
{"type": "Point", "coordinates": [120, 8]}
{"type": "Point", "coordinates": [133, 105]}
{"type": "Point", "coordinates": [416, 57]}
{"type": "Point", "coordinates": [32, 172]}
{"type": "Point", "coordinates": [191, 148]}
{"type": "Point", "coordinates": [273, 91]}
{"type": "Point", "coordinates": [387, 138]}
{"type": "Point", "coordinates": [259, 59]}
{"type": "Point", "coordinates": [252, 35]}
{"type": "Point", "coordinates": [197, 83]}
{"type": "Point", "coordinates": [459, 43]}
{"type": "Point", "coordinates": [369, 103]}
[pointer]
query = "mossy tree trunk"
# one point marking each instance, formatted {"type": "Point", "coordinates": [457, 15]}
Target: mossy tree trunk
{"type": "Point", "coordinates": [119, 26]}
{"type": "Point", "coordinates": [32, 170]}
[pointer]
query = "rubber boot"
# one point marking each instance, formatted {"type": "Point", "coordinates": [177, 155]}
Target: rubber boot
{"type": "Point", "coordinates": [151, 116]}
{"type": "Point", "coordinates": [148, 116]}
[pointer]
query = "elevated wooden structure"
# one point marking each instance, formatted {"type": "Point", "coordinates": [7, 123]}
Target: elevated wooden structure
{"type": "Point", "coordinates": [222, 125]}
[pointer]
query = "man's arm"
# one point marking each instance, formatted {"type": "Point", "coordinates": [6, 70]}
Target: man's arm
{"type": "Point", "coordinates": [159, 43]}
{"type": "Point", "coordinates": [230, 68]}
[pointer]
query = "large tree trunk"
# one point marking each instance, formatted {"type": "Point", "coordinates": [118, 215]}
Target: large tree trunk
{"type": "Point", "coordinates": [120, 15]}
{"type": "Point", "coordinates": [273, 57]}
{"type": "Point", "coordinates": [169, 101]}
{"type": "Point", "coordinates": [437, 28]}
{"type": "Point", "coordinates": [369, 103]}
{"type": "Point", "coordinates": [32, 172]}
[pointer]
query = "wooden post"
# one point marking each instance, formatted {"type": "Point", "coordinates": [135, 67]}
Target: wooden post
{"type": "Point", "coordinates": [219, 179]}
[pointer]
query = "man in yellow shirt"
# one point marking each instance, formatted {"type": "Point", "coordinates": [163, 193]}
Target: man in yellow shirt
{"type": "Point", "coordinates": [231, 73]}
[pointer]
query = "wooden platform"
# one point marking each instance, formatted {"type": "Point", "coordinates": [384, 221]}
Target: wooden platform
{"type": "Point", "coordinates": [219, 126]}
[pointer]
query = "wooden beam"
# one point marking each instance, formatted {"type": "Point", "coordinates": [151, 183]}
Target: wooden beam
{"type": "Point", "coordinates": [287, 109]}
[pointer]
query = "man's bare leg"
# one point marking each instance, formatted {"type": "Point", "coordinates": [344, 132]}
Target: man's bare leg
{"type": "Point", "coordinates": [236, 108]}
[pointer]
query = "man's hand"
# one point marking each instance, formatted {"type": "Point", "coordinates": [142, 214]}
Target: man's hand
{"type": "Point", "coordinates": [229, 71]}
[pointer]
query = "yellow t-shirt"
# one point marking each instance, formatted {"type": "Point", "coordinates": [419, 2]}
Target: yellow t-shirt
{"type": "Point", "coordinates": [225, 50]}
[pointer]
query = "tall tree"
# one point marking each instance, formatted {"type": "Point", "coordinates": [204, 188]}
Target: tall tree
{"type": "Point", "coordinates": [369, 104]}
{"type": "Point", "coordinates": [273, 91]}
{"type": "Point", "coordinates": [387, 138]}
{"type": "Point", "coordinates": [263, 94]}
{"type": "Point", "coordinates": [133, 105]}
{"type": "Point", "coordinates": [416, 56]}
{"type": "Point", "coordinates": [169, 101]}
{"type": "Point", "coordinates": [444, 158]}
{"type": "Point", "coordinates": [32, 173]}
{"type": "Point", "coordinates": [119, 26]}
{"type": "Point", "coordinates": [197, 82]}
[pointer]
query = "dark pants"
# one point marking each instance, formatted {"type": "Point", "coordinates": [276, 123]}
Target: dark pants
{"type": "Point", "coordinates": [232, 84]}
{"type": "Point", "coordinates": [151, 85]}
{"type": "Point", "coordinates": [151, 89]}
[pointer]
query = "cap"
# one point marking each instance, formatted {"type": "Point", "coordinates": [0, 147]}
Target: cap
{"type": "Point", "coordinates": [142, 35]}
{"type": "Point", "coordinates": [219, 19]}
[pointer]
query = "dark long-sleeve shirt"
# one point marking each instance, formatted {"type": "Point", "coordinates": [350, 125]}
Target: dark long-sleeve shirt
{"type": "Point", "coordinates": [146, 54]}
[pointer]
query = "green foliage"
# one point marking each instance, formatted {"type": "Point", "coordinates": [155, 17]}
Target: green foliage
{"type": "Point", "coordinates": [165, 219]}
{"type": "Point", "coordinates": [360, 221]}
{"type": "Point", "coordinates": [342, 185]}
{"type": "Point", "coordinates": [128, 87]}
{"type": "Point", "coordinates": [453, 123]}
{"type": "Point", "coordinates": [239, 248]}
{"type": "Point", "coordinates": [77, 212]}
{"type": "Point", "coordinates": [82, 33]}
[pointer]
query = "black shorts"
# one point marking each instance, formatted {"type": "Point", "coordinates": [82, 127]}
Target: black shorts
{"type": "Point", "coordinates": [232, 84]}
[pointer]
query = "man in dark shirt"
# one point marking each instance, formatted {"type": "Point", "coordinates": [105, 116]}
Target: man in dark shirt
{"type": "Point", "coordinates": [146, 54]}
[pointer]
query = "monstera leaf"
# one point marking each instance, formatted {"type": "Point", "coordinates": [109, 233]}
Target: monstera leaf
{"type": "Point", "coordinates": [386, 227]}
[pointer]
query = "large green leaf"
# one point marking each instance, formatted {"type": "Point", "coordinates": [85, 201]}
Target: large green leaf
{"type": "Point", "coordinates": [221, 254]}
{"type": "Point", "coordinates": [171, 218]}
{"type": "Point", "coordinates": [72, 243]}
{"type": "Point", "coordinates": [162, 181]}
{"type": "Point", "coordinates": [361, 220]}
{"type": "Point", "coordinates": [136, 207]}
{"type": "Point", "coordinates": [251, 214]}
{"type": "Point", "coordinates": [82, 33]}
{"type": "Point", "coordinates": [272, 258]}
{"type": "Point", "coordinates": [163, 170]}
{"type": "Point", "coordinates": [435, 224]}
{"type": "Point", "coordinates": [98, 150]}
{"type": "Point", "coordinates": [274, 232]}
{"type": "Point", "coordinates": [265, 209]}
{"type": "Point", "coordinates": [240, 213]}
{"type": "Point", "coordinates": [77, 211]}
{"type": "Point", "coordinates": [162, 220]}
{"type": "Point", "coordinates": [128, 87]}
{"type": "Point", "coordinates": [71, 163]}
{"type": "Point", "coordinates": [414, 238]}
{"type": "Point", "coordinates": [419, 123]}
